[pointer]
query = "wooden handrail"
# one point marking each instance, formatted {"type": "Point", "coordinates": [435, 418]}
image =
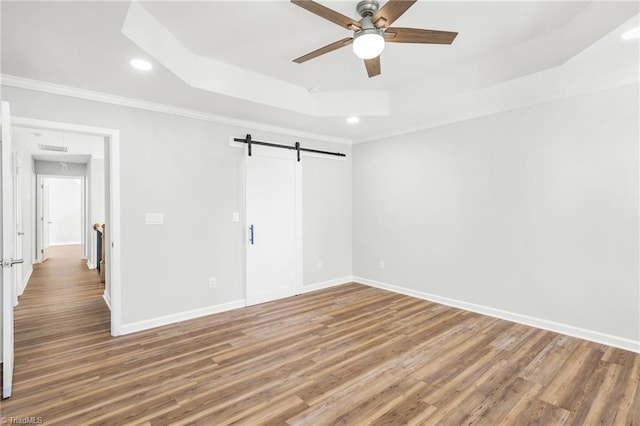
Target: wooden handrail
{"type": "Point", "coordinates": [103, 229]}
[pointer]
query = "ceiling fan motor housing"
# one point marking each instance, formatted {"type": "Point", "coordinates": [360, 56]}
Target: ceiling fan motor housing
{"type": "Point", "coordinates": [367, 7]}
{"type": "Point", "coordinates": [367, 28]}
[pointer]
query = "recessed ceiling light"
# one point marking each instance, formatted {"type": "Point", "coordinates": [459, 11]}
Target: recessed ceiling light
{"type": "Point", "coordinates": [141, 64]}
{"type": "Point", "coordinates": [314, 90]}
{"type": "Point", "coordinates": [631, 34]}
{"type": "Point", "coordinates": [353, 120]}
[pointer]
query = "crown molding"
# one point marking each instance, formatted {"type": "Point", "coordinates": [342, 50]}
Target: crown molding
{"type": "Point", "coordinates": [74, 92]}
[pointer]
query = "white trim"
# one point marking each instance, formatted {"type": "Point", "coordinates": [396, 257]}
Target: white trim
{"type": "Point", "coordinates": [270, 296]}
{"type": "Point", "coordinates": [299, 247]}
{"type": "Point", "coordinates": [569, 330]}
{"type": "Point", "coordinates": [59, 89]}
{"type": "Point", "coordinates": [65, 243]}
{"type": "Point", "coordinates": [182, 316]}
{"type": "Point", "coordinates": [25, 281]}
{"type": "Point", "coordinates": [34, 123]}
{"type": "Point", "coordinates": [107, 299]}
{"type": "Point", "coordinates": [112, 245]}
{"type": "Point", "coordinates": [325, 284]}
{"type": "Point", "coordinates": [284, 293]}
{"type": "Point", "coordinates": [90, 265]}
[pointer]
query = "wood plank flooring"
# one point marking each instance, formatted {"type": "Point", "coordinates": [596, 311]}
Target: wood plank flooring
{"type": "Point", "coordinates": [350, 355]}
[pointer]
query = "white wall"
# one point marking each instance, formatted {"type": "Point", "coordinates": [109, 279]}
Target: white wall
{"type": "Point", "coordinates": [326, 212]}
{"type": "Point", "coordinates": [65, 211]}
{"type": "Point", "coordinates": [186, 169]}
{"type": "Point", "coordinates": [532, 211]}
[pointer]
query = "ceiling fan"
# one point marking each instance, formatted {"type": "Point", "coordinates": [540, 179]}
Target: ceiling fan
{"type": "Point", "coordinates": [372, 31]}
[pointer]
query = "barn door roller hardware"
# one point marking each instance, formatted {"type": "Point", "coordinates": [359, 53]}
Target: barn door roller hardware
{"type": "Point", "coordinates": [250, 142]}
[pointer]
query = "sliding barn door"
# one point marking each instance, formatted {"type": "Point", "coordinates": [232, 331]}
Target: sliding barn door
{"type": "Point", "coordinates": [273, 253]}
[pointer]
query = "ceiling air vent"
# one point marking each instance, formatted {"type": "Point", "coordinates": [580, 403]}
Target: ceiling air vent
{"type": "Point", "coordinates": [55, 148]}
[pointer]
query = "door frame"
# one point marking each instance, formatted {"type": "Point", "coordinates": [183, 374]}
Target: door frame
{"type": "Point", "coordinates": [8, 230]}
{"type": "Point", "coordinates": [112, 213]}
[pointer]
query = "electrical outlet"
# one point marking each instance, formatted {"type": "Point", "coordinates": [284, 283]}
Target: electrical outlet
{"type": "Point", "coordinates": [319, 265]}
{"type": "Point", "coordinates": [212, 282]}
{"type": "Point", "coordinates": [381, 264]}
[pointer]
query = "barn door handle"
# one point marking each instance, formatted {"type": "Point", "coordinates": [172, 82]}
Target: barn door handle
{"type": "Point", "coordinates": [251, 234]}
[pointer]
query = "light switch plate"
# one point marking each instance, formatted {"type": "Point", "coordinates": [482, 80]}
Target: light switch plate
{"type": "Point", "coordinates": [154, 219]}
{"type": "Point", "coordinates": [236, 217]}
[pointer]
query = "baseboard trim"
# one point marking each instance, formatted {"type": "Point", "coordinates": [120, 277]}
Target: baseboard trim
{"type": "Point", "coordinates": [65, 243]}
{"type": "Point", "coordinates": [324, 284]}
{"type": "Point", "coordinates": [269, 296]}
{"type": "Point", "coordinates": [182, 316]}
{"type": "Point", "coordinates": [25, 281]}
{"type": "Point", "coordinates": [569, 330]}
{"type": "Point", "coordinates": [90, 265]}
{"type": "Point", "coordinates": [107, 299]}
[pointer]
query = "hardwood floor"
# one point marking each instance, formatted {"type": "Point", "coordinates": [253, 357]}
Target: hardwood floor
{"type": "Point", "coordinates": [348, 355]}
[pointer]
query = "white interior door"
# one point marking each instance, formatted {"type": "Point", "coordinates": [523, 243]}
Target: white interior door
{"type": "Point", "coordinates": [271, 202]}
{"type": "Point", "coordinates": [7, 255]}
{"type": "Point", "coordinates": [45, 219]}
{"type": "Point", "coordinates": [19, 233]}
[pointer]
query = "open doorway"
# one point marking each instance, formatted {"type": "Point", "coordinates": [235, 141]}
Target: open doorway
{"type": "Point", "coordinates": [70, 195]}
{"type": "Point", "coordinates": [62, 221]}
{"type": "Point", "coordinates": [24, 172]}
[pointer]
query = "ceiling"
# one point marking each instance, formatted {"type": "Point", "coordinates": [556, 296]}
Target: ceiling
{"type": "Point", "coordinates": [87, 45]}
{"type": "Point", "coordinates": [291, 31]}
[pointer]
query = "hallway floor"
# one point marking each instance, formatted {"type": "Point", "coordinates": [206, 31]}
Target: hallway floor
{"type": "Point", "coordinates": [61, 308]}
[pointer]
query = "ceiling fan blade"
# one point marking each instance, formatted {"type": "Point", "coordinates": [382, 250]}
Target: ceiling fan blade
{"type": "Point", "coordinates": [326, 49]}
{"type": "Point", "coordinates": [328, 14]}
{"type": "Point", "coordinates": [373, 66]}
{"type": "Point", "coordinates": [415, 35]}
{"type": "Point", "coordinates": [391, 11]}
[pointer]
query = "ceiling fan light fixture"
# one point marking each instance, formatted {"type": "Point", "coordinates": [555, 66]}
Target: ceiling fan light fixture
{"type": "Point", "coordinates": [368, 43]}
